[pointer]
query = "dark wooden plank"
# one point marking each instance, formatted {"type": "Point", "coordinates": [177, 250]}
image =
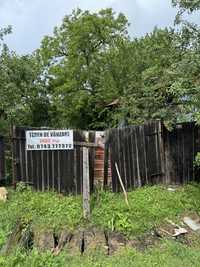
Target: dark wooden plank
{"type": "Point", "coordinates": [78, 170]}
{"type": "Point", "coordinates": [76, 161]}
{"type": "Point", "coordinates": [120, 158]}
{"type": "Point", "coordinates": [80, 189]}
{"type": "Point", "coordinates": [53, 169]}
{"type": "Point", "coordinates": [142, 154]}
{"type": "Point", "coordinates": [188, 151]}
{"type": "Point", "coordinates": [48, 170]}
{"type": "Point", "coordinates": [91, 160]}
{"type": "Point", "coordinates": [134, 157]}
{"type": "Point", "coordinates": [18, 158]}
{"type": "Point", "coordinates": [31, 164]}
{"type": "Point", "coordinates": [45, 171]}
{"type": "Point", "coordinates": [14, 155]}
{"type": "Point", "coordinates": [153, 153]}
{"type": "Point", "coordinates": [42, 171]}
{"type": "Point", "coordinates": [72, 170]}
{"type": "Point", "coordinates": [113, 146]}
{"type": "Point", "coordinates": [150, 151]}
{"type": "Point", "coordinates": [75, 171]}
{"type": "Point", "coordinates": [127, 158]}
{"type": "Point", "coordinates": [196, 150]}
{"type": "Point", "coordinates": [79, 162]}
{"type": "Point", "coordinates": [106, 159]}
{"type": "Point", "coordinates": [55, 166]}
{"type": "Point", "coordinates": [137, 154]}
{"type": "Point", "coordinates": [174, 179]}
{"type": "Point", "coordinates": [162, 153]}
{"type": "Point", "coordinates": [62, 172]}
{"type": "Point", "coordinates": [158, 171]}
{"type": "Point", "coordinates": [23, 155]}
{"type": "Point", "coordinates": [114, 155]}
{"type": "Point", "coordinates": [131, 156]}
{"type": "Point", "coordinates": [166, 155]}
{"type": "Point", "coordinates": [180, 154]}
{"type": "Point", "coordinates": [158, 152]}
{"type": "Point", "coordinates": [59, 172]}
{"type": "Point", "coordinates": [110, 143]}
{"type": "Point", "coordinates": [193, 152]}
{"type": "Point", "coordinates": [2, 158]}
{"type": "Point", "coordinates": [146, 142]}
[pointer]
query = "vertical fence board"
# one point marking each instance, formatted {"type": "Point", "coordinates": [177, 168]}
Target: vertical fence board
{"type": "Point", "coordinates": [121, 165]}
{"type": "Point", "coordinates": [106, 159]}
{"type": "Point", "coordinates": [136, 150]}
{"type": "Point", "coordinates": [147, 154]}
{"type": "Point", "coordinates": [91, 160]}
{"type": "Point", "coordinates": [127, 159]}
{"type": "Point", "coordinates": [134, 154]}
{"type": "Point", "coordinates": [2, 158]}
{"type": "Point", "coordinates": [61, 171]}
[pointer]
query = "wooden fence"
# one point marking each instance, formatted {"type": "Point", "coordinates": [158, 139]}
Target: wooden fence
{"type": "Point", "coordinates": [59, 170]}
{"type": "Point", "coordinates": [150, 154]}
{"type": "Point", "coordinates": [2, 158]}
{"type": "Point", "coordinates": [145, 155]}
{"type": "Point", "coordinates": [180, 147]}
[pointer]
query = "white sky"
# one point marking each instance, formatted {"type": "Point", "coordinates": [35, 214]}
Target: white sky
{"type": "Point", "coordinates": [32, 19]}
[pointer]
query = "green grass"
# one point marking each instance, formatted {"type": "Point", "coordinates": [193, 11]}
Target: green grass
{"type": "Point", "coordinates": [149, 207]}
{"type": "Point", "coordinates": [169, 254]}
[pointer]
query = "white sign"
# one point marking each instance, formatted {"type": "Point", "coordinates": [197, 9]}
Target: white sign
{"type": "Point", "coordinates": [49, 140]}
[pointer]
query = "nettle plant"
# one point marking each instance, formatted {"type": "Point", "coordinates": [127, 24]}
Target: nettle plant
{"type": "Point", "coordinates": [197, 160]}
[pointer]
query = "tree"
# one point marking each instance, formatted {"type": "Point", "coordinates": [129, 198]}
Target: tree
{"type": "Point", "coordinates": [186, 5]}
{"type": "Point", "coordinates": [23, 95]}
{"type": "Point", "coordinates": [90, 61]}
{"type": "Point", "coordinates": [78, 65]}
{"type": "Point", "coordinates": [148, 94]}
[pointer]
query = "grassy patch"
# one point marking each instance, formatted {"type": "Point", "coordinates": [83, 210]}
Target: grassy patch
{"type": "Point", "coordinates": [149, 207]}
{"type": "Point", "coordinates": [44, 210]}
{"type": "Point", "coordinates": [169, 254]}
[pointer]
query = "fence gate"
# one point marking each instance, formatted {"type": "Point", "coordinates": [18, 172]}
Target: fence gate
{"type": "Point", "coordinates": [137, 150]}
{"type": "Point", "coordinates": [59, 170]}
{"type": "Point", "coordinates": [180, 148]}
{"type": "Point", "coordinates": [2, 158]}
{"type": "Point", "coordinates": [150, 154]}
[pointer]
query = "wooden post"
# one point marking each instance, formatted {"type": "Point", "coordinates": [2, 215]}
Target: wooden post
{"type": "Point", "coordinates": [14, 160]}
{"type": "Point", "coordinates": [86, 184]}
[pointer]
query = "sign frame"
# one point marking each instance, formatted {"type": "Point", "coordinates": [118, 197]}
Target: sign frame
{"type": "Point", "coordinates": [48, 140]}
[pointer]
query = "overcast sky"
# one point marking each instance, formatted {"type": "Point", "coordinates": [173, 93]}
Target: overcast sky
{"type": "Point", "coordinates": [32, 19]}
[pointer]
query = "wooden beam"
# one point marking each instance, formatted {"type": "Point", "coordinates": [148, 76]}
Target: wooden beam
{"type": "Point", "coordinates": [122, 185]}
{"type": "Point", "coordinates": [86, 184]}
{"type": "Point", "coordinates": [85, 144]}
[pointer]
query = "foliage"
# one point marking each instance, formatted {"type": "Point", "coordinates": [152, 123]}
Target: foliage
{"type": "Point", "coordinates": [149, 93]}
{"type": "Point", "coordinates": [79, 62]}
{"type": "Point", "coordinates": [24, 98]}
{"type": "Point", "coordinates": [186, 5]}
{"type": "Point", "coordinates": [86, 75]}
{"type": "Point", "coordinates": [197, 160]}
{"type": "Point", "coordinates": [90, 61]}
